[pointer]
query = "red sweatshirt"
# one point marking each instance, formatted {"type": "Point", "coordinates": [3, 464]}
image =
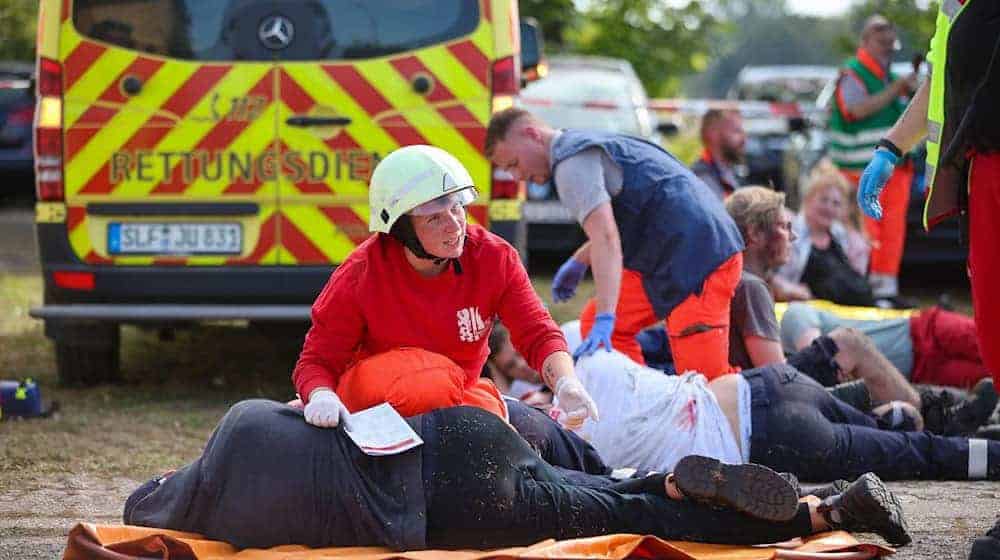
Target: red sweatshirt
{"type": "Point", "coordinates": [375, 301]}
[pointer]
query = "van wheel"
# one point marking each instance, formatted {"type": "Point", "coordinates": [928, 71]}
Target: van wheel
{"type": "Point", "coordinates": [87, 353]}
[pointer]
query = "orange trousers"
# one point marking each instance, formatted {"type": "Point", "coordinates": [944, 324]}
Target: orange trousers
{"type": "Point", "coordinates": [698, 327]}
{"type": "Point", "coordinates": [888, 235]}
{"type": "Point", "coordinates": [415, 381]}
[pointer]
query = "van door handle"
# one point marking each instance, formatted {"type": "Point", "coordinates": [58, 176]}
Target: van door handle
{"type": "Point", "coordinates": [318, 121]}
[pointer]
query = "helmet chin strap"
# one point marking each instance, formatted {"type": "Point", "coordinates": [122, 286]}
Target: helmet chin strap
{"type": "Point", "coordinates": [403, 231]}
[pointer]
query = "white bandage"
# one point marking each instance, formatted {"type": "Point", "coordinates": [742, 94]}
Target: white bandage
{"type": "Point", "coordinates": [978, 454]}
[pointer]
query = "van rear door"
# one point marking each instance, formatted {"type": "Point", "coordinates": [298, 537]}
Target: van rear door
{"type": "Point", "coordinates": [359, 80]}
{"type": "Point", "coordinates": [169, 121]}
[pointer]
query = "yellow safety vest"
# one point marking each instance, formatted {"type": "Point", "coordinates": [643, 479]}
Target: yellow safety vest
{"type": "Point", "coordinates": [942, 199]}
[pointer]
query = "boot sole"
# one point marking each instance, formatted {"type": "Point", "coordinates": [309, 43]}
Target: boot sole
{"type": "Point", "coordinates": [754, 490]}
{"type": "Point", "coordinates": [887, 511]}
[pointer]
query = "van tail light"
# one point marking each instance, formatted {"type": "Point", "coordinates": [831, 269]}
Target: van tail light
{"type": "Point", "coordinates": [82, 281]}
{"type": "Point", "coordinates": [506, 82]}
{"type": "Point", "coordinates": [48, 133]}
{"type": "Point", "coordinates": [505, 186]}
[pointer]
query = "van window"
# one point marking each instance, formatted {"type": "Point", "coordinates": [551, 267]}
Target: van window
{"type": "Point", "coordinates": [221, 30]}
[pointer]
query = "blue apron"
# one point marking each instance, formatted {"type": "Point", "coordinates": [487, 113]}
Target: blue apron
{"type": "Point", "coordinates": [674, 231]}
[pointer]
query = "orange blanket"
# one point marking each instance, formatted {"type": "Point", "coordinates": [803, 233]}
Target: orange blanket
{"type": "Point", "coordinates": [122, 542]}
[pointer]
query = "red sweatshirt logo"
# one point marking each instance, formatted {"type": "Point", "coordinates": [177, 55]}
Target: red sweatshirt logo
{"type": "Point", "coordinates": [471, 326]}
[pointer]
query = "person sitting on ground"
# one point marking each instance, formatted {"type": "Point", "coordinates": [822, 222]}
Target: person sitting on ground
{"type": "Point", "coordinates": [724, 142]}
{"type": "Point", "coordinates": [842, 355]}
{"type": "Point", "coordinates": [755, 339]}
{"type": "Point", "coordinates": [819, 266]}
{"type": "Point", "coordinates": [774, 415]}
{"type": "Point", "coordinates": [266, 478]}
{"type": "Point", "coordinates": [422, 293]}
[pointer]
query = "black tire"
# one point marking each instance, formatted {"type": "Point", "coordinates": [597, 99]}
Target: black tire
{"type": "Point", "coordinates": [87, 353]}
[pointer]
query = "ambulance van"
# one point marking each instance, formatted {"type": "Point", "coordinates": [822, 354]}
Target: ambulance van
{"type": "Point", "coordinates": [206, 160]}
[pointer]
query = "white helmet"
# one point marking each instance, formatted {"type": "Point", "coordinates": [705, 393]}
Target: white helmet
{"type": "Point", "coordinates": [416, 179]}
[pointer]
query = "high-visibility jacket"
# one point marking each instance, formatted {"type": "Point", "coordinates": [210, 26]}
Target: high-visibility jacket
{"type": "Point", "coordinates": [944, 182]}
{"type": "Point", "coordinates": [852, 141]}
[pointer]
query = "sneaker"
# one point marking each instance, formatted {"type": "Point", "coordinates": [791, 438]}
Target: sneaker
{"type": "Point", "coordinates": [946, 415]}
{"type": "Point", "coordinates": [988, 547]}
{"type": "Point", "coordinates": [867, 506]}
{"type": "Point", "coordinates": [751, 489]}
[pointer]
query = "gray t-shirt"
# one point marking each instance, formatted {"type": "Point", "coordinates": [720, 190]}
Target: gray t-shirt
{"type": "Point", "coordinates": [586, 180]}
{"type": "Point", "coordinates": [751, 314]}
{"type": "Point", "coordinates": [890, 336]}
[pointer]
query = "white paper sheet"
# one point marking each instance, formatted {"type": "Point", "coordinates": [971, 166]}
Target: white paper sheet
{"type": "Point", "coordinates": [380, 430]}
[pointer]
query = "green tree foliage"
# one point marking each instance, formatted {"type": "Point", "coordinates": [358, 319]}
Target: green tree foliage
{"type": "Point", "coordinates": [18, 22]}
{"type": "Point", "coordinates": [662, 42]}
{"type": "Point", "coordinates": [554, 16]}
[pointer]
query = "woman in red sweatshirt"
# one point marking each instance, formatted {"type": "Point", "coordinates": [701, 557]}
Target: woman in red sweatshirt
{"type": "Point", "coordinates": [430, 281]}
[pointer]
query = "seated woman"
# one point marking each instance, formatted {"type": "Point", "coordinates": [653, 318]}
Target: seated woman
{"type": "Point", "coordinates": [819, 266]}
{"type": "Point", "coordinates": [777, 416]}
{"type": "Point", "coordinates": [267, 478]}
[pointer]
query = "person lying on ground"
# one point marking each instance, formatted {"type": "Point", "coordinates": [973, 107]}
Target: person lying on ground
{"type": "Point", "coordinates": [426, 280]}
{"type": "Point", "coordinates": [841, 355]}
{"type": "Point", "coordinates": [772, 415]}
{"type": "Point", "coordinates": [267, 478]}
{"type": "Point", "coordinates": [930, 346]}
{"type": "Point", "coordinates": [819, 266]}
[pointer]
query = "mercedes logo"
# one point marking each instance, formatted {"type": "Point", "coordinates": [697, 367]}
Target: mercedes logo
{"type": "Point", "coordinates": [276, 32]}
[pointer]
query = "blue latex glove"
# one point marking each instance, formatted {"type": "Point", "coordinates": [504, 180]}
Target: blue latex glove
{"type": "Point", "coordinates": [604, 325]}
{"type": "Point", "coordinates": [873, 181]}
{"type": "Point", "coordinates": [566, 280]}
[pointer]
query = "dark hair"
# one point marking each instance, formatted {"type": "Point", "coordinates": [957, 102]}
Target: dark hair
{"type": "Point", "coordinates": [500, 125]}
{"type": "Point", "coordinates": [498, 338]}
{"type": "Point", "coordinates": [713, 117]}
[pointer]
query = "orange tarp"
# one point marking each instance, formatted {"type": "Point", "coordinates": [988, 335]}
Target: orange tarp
{"type": "Point", "coordinates": [123, 542]}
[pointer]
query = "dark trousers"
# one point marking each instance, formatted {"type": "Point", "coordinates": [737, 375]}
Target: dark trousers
{"type": "Point", "coordinates": [798, 427]}
{"type": "Point", "coordinates": [557, 447]}
{"type": "Point", "coordinates": [485, 487]}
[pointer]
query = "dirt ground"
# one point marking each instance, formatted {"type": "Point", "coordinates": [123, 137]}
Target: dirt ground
{"type": "Point", "coordinates": [81, 464]}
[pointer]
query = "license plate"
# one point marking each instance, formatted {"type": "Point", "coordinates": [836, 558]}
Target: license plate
{"type": "Point", "coordinates": [546, 212]}
{"type": "Point", "coordinates": [175, 238]}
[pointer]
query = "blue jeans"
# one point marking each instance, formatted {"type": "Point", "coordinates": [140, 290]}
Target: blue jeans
{"type": "Point", "coordinates": [798, 427]}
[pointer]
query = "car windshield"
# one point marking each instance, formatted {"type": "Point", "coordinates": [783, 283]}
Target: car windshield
{"type": "Point", "coordinates": [577, 97]}
{"type": "Point", "coordinates": [272, 29]}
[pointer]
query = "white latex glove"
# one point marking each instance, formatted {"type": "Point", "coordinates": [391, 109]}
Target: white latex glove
{"type": "Point", "coordinates": [325, 409]}
{"type": "Point", "coordinates": [574, 400]}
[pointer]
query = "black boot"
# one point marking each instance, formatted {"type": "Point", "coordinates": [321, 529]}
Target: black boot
{"type": "Point", "coordinates": [854, 393]}
{"type": "Point", "coordinates": [867, 506]}
{"type": "Point", "coordinates": [823, 491]}
{"type": "Point", "coordinates": [751, 489]}
{"type": "Point", "coordinates": [988, 547]}
{"type": "Point", "coordinates": [946, 415]}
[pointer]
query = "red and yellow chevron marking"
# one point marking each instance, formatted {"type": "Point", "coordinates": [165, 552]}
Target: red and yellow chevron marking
{"type": "Point", "coordinates": [208, 132]}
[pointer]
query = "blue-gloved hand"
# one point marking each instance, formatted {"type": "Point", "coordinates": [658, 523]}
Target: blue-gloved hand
{"type": "Point", "coordinates": [566, 280]}
{"type": "Point", "coordinates": [873, 181]}
{"type": "Point", "coordinates": [604, 325]}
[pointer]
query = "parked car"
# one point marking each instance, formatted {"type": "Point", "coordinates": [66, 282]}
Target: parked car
{"type": "Point", "coordinates": [580, 92]}
{"type": "Point", "coordinates": [17, 111]}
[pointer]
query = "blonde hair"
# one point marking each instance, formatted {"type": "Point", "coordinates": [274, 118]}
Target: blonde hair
{"type": "Point", "coordinates": [825, 176]}
{"type": "Point", "coordinates": [755, 209]}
